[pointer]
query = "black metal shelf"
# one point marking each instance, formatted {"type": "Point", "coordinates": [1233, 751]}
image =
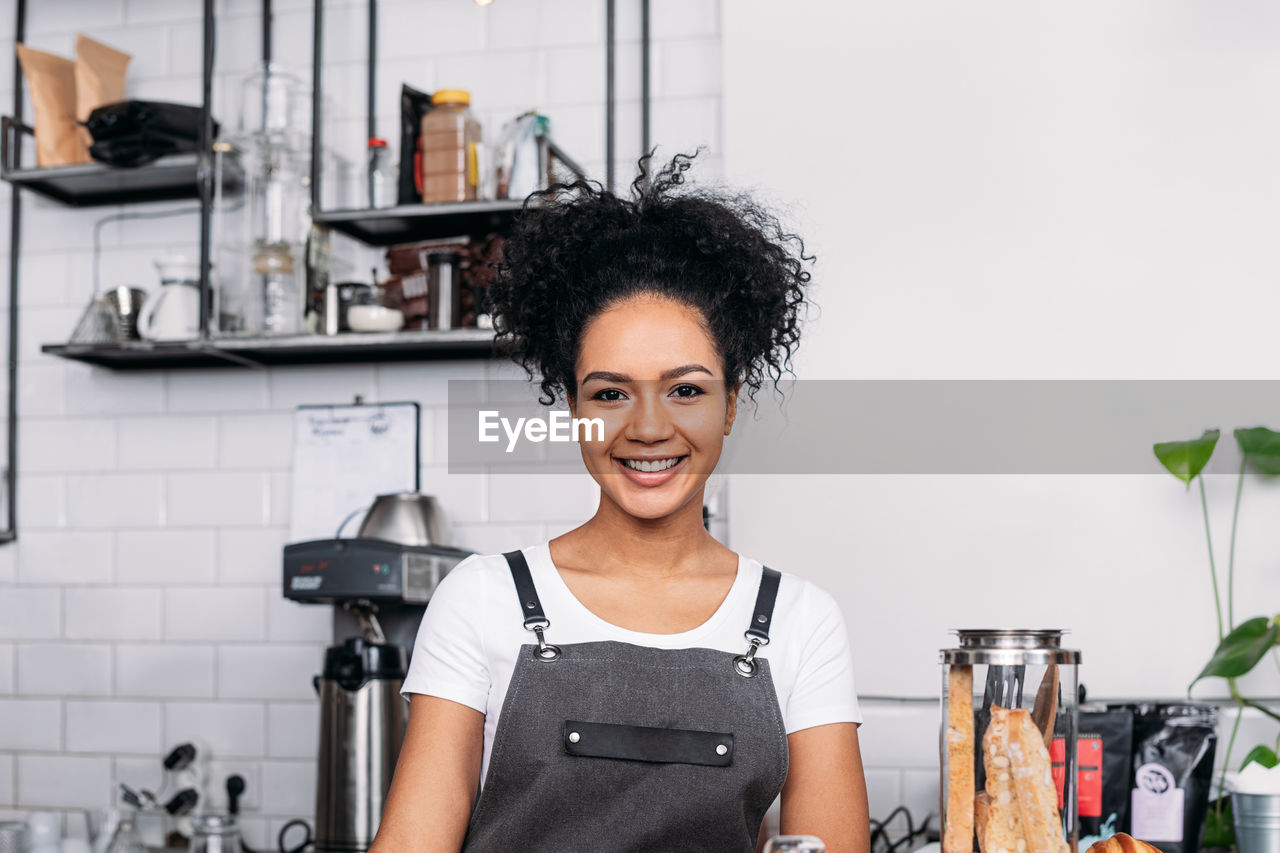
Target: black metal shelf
{"type": "Point", "coordinates": [411, 223]}
{"type": "Point", "coordinates": [169, 178]}
{"type": "Point", "coordinates": [295, 350]}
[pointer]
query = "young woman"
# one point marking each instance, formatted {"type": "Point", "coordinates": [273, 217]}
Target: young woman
{"type": "Point", "coordinates": [634, 685]}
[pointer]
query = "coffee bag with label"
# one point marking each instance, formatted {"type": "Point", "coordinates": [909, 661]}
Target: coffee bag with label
{"type": "Point", "coordinates": [1173, 748]}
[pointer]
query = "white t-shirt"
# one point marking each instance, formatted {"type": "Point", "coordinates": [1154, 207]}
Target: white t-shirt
{"type": "Point", "coordinates": [471, 634]}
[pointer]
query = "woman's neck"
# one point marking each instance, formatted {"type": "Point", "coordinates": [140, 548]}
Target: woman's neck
{"type": "Point", "coordinates": [615, 542]}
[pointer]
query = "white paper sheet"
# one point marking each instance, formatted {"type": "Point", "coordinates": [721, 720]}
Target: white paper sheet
{"type": "Point", "coordinates": [344, 457]}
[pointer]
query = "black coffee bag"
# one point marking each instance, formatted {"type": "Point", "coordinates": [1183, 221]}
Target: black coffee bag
{"type": "Point", "coordinates": [1173, 748]}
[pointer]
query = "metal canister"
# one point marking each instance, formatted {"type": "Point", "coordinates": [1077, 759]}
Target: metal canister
{"type": "Point", "coordinates": [363, 719]}
{"type": "Point", "coordinates": [1257, 822]}
{"type": "Point", "coordinates": [1025, 680]}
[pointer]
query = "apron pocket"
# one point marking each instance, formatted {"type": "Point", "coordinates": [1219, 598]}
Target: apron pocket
{"type": "Point", "coordinates": [648, 743]}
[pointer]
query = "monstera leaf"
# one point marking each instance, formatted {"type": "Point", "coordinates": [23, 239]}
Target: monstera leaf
{"type": "Point", "coordinates": [1264, 755]}
{"type": "Point", "coordinates": [1186, 459]}
{"type": "Point", "coordinates": [1241, 650]}
{"type": "Point", "coordinates": [1261, 447]}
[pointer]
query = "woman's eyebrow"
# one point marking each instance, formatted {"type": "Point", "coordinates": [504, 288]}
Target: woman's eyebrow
{"type": "Point", "coordinates": [684, 370]}
{"type": "Point", "coordinates": [672, 373]}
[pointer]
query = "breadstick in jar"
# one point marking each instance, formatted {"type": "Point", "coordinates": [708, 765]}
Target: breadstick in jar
{"type": "Point", "coordinates": [1003, 827]}
{"type": "Point", "coordinates": [981, 813]}
{"type": "Point", "coordinates": [957, 836]}
{"type": "Point", "coordinates": [1034, 789]}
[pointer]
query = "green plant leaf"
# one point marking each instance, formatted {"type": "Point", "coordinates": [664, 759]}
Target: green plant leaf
{"type": "Point", "coordinates": [1264, 755]}
{"type": "Point", "coordinates": [1186, 459]}
{"type": "Point", "coordinates": [1219, 830]}
{"type": "Point", "coordinates": [1241, 650]}
{"type": "Point", "coordinates": [1261, 447]}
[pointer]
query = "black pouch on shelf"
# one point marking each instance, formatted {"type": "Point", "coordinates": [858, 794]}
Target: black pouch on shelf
{"type": "Point", "coordinates": [1105, 755]}
{"type": "Point", "coordinates": [129, 118]}
{"type": "Point", "coordinates": [1173, 747]}
{"type": "Point", "coordinates": [413, 106]}
{"type": "Point", "coordinates": [138, 149]}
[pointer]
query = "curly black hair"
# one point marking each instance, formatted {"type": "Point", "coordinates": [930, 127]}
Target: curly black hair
{"type": "Point", "coordinates": [577, 250]}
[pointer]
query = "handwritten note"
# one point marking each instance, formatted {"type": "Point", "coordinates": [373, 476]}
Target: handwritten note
{"type": "Point", "coordinates": [344, 457]}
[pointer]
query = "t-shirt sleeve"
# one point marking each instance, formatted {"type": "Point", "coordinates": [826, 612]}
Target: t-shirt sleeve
{"type": "Point", "coordinates": [449, 660]}
{"type": "Point", "coordinates": [824, 690]}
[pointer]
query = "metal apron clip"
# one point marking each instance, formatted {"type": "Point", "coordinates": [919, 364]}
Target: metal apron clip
{"type": "Point", "coordinates": [545, 651]}
{"type": "Point", "coordinates": [745, 665]}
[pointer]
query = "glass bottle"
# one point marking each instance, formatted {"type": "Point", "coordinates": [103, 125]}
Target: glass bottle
{"type": "Point", "coordinates": [126, 838]}
{"type": "Point", "coordinates": [383, 186]}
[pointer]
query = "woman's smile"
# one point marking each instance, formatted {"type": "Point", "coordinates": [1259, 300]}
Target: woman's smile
{"type": "Point", "coordinates": [651, 470]}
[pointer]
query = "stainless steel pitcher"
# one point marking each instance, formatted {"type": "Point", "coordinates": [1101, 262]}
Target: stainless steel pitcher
{"type": "Point", "coordinates": [362, 724]}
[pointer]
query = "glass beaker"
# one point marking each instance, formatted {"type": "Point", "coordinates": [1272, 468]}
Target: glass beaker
{"type": "Point", "coordinates": [1008, 741]}
{"type": "Point", "coordinates": [214, 833]}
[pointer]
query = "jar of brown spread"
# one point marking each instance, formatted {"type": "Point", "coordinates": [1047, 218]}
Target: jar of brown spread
{"type": "Point", "coordinates": [450, 134]}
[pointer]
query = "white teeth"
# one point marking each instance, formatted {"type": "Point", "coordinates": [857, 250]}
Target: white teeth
{"type": "Point", "coordinates": [650, 467]}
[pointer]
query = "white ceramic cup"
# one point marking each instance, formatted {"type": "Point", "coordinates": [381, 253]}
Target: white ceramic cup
{"type": "Point", "coordinates": [44, 829]}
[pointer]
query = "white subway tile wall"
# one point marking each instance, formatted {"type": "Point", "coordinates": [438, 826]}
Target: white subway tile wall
{"type": "Point", "coordinates": [141, 604]}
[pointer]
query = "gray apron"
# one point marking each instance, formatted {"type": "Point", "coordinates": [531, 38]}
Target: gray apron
{"type": "Point", "coordinates": [609, 746]}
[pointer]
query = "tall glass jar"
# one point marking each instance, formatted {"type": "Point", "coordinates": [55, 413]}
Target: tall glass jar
{"type": "Point", "coordinates": [450, 137]}
{"type": "Point", "coordinates": [1008, 742]}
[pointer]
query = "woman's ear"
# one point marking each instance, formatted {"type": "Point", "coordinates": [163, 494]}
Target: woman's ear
{"type": "Point", "coordinates": [731, 410]}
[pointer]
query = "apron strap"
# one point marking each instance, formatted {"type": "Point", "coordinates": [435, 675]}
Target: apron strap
{"type": "Point", "coordinates": [530, 604]}
{"type": "Point", "coordinates": [762, 616]}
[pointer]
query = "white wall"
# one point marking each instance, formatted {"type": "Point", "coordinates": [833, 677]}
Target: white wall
{"type": "Point", "coordinates": [1006, 190]}
{"type": "Point", "coordinates": [141, 604]}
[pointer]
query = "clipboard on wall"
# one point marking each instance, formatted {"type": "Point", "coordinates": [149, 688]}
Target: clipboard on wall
{"type": "Point", "coordinates": [345, 456]}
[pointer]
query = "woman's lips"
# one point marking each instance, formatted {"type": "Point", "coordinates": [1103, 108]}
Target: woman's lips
{"type": "Point", "coordinates": [651, 478]}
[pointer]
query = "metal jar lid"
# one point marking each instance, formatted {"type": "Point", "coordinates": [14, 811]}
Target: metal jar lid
{"type": "Point", "coordinates": [1009, 647]}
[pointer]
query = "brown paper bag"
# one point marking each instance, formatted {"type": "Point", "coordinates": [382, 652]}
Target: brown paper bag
{"type": "Point", "coordinates": [100, 73]}
{"type": "Point", "coordinates": [52, 81]}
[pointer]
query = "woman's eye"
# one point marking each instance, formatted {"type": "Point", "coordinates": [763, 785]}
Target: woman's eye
{"type": "Point", "coordinates": [608, 395]}
{"type": "Point", "coordinates": [687, 391]}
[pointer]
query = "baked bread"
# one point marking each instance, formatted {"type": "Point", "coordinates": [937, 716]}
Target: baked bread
{"type": "Point", "coordinates": [1003, 831]}
{"type": "Point", "coordinates": [957, 835]}
{"type": "Point", "coordinates": [1122, 843]}
{"type": "Point", "coordinates": [1036, 794]}
{"type": "Point", "coordinates": [981, 813]}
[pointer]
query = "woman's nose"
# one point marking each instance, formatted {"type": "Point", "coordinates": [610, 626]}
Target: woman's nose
{"type": "Point", "coordinates": [649, 420]}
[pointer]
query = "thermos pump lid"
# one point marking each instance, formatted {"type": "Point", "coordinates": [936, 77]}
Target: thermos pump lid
{"type": "Point", "coordinates": [357, 661]}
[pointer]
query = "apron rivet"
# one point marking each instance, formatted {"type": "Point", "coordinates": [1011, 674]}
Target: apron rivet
{"type": "Point", "coordinates": [721, 749]}
{"type": "Point", "coordinates": [574, 737]}
{"type": "Point", "coordinates": [530, 604]}
{"type": "Point", "coordinates": [762, 619]}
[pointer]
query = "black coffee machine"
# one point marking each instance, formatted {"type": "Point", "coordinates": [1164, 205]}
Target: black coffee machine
{"type": "Point", "coordinates": [380, 590]}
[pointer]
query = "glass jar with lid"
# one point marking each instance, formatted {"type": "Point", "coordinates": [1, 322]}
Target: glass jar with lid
{"type": "Point", "coordinates": [450, 139]}
{"type": "Point", "coordinates": [1008, 742]}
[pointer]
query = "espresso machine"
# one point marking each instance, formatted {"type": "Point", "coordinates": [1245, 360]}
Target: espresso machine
{"type": "Point", "coordinates": [379, 584]}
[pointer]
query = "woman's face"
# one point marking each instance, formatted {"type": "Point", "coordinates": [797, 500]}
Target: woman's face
{"type": "Point", "coordinates": [651, 372]}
